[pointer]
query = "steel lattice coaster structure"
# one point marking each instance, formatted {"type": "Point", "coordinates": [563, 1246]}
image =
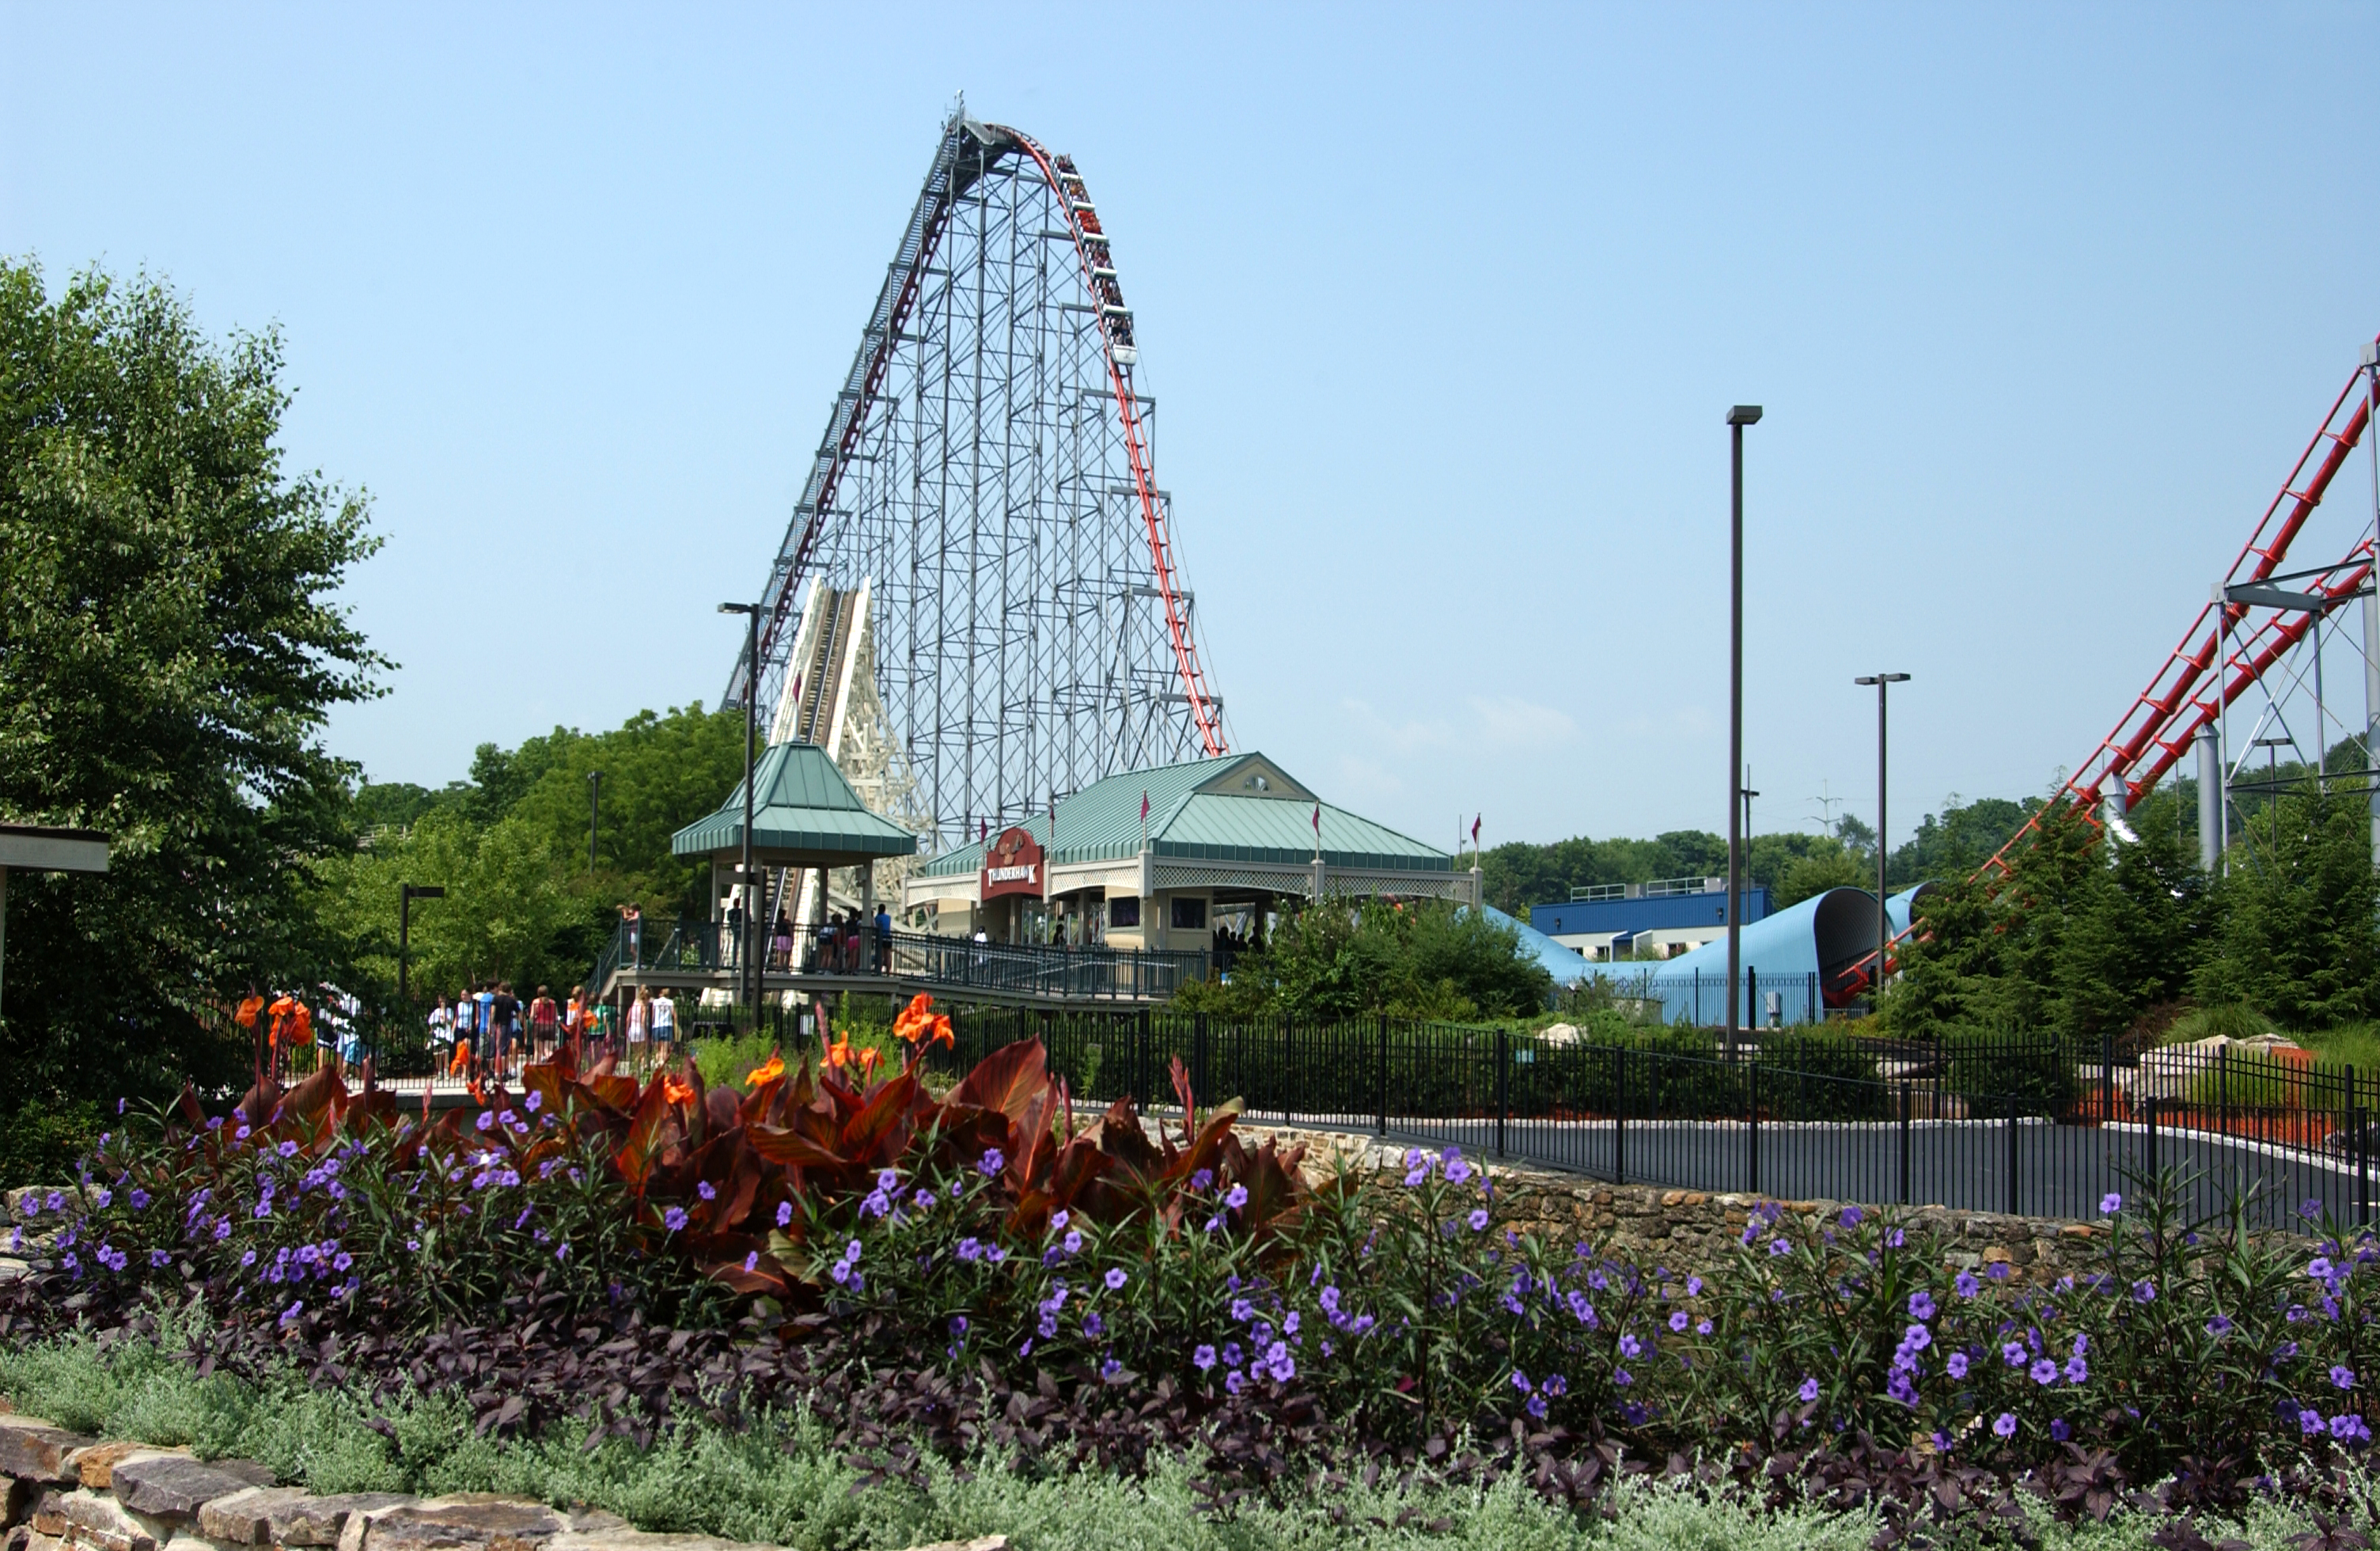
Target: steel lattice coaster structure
{"type": "Point", "coordinates": [976, 605]}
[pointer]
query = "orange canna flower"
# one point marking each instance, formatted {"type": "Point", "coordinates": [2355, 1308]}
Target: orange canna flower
{"type": "Point", "coordinates": [915, 1020]}
{"type": "Point", "coordinates": [866, 1058]}
{"type": "Point", "coordinates": [767, 1071]}
{"type": "Point", "coordinates": [838, 1053]}
{"type": "Point", "coordinates": [942, 1035]}
{"type": "Point", "coordinates": [676, 1091]}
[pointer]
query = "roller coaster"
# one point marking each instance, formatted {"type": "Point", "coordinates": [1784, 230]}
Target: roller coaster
{"type": "Point", "coordinates": [982, 522]}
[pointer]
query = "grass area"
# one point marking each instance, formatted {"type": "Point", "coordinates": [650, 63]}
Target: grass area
{"type": "Point", "coordinates": [783, 1482]}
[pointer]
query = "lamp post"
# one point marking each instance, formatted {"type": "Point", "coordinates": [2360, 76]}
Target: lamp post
{"type": "Point", "coordinates": [1742, 415]}
{"type": "Point", "coordinates": [745, 972]}
{"type": "Point", "coordinates": [1883, 916]}
{"type": "Point", "coordinates": [406, 894]}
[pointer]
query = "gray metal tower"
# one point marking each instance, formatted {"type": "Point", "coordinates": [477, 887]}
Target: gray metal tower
{"type": "Point", "coordinates": [988, 476]}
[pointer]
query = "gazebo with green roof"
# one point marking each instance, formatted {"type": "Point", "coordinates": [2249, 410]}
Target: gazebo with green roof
{"type": "Point", "coordinates": [1219, 833]}
{"type": "Point", "coordinates": [804, 815]}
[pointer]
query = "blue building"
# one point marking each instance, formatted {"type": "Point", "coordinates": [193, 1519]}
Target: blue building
{"type": "Point", "coordinates": [1660, 919]}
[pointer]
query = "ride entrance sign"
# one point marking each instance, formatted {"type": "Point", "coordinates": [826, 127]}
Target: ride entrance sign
{"type": "Point", "coordinates": [1012, 866]}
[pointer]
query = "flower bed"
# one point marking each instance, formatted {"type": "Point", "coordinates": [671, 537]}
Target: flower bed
{"type": "Point", "coordinates": [983, 1267]}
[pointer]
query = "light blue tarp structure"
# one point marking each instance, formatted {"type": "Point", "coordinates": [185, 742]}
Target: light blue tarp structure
{"type": "Point", "coordinates": [1788, 958]}
{"type": "Point", "coordinates": [1566, 965]}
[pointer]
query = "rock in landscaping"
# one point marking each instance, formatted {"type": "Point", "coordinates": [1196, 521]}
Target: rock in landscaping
{"type": "Point", "coordinates": [98, 1522]}
{"type": "Point", "coordinates": [31, 1449]}
{"type": "Point", "coordinates": [469, 1520]}
{"type": "Point", "coordinates": [246, 1518]}
{"type": "Point", "coordinates": [322, 1520]}
{"type": "Point", "coordinates": [175, 1487]}
{"type": "Point", "coordinates": [95, 1466]}
{"type": "Point", "coordinates": [985, 1542]}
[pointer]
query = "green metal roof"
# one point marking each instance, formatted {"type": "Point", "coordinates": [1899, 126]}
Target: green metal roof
{"type": "Point", "coordinates": [1242, 808]}
{"type": "Point", "coordinates": [803, 805]}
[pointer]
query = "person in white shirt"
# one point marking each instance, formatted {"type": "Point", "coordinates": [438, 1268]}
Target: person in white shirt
{"type": "Point", "coordinates": [639, 1019]}
{"type": "Point", "coordinates": [664, 1026]}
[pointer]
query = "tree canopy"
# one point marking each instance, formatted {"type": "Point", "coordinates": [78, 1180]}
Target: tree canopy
{"type": "Point", "coordinates": [168, 656]}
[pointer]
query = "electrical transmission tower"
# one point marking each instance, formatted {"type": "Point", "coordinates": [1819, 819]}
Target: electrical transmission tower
{"type": "Point", "coordinates": [985, 490]}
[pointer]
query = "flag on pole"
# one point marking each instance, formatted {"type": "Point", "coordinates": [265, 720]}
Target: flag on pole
{"type": "Point", "coordinates": [1144, 808]}
{"type": "Point", "coordinates": [1318, 821]}
{"type": "Point", "coordinates": [1475, 831]}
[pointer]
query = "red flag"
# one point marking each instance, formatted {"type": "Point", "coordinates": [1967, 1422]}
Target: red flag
{"type": "Point", "coordinates": [1144, 808]}
{"type": "Point", "coordinates": [1474, 829]}
{"type": "Point", "coordinates": [1318, 821]}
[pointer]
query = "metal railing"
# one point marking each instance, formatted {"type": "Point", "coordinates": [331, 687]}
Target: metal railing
{"type": "Point", "coordinates": [2013, 1123]}
{"type": "Point", "coordinates": [1053, 970]}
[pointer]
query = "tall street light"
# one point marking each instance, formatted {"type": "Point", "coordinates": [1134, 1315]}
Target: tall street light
{"type": "Point", "coordinates": [745, 965]}
{"type": "Point", "coordinates": [1883, 916]}
{"type": "Point", "coordinates": [1742, 415]}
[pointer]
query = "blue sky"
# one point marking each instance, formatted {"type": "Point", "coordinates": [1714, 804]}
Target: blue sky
{"type": "Point", "coordinates": [1443, 308]}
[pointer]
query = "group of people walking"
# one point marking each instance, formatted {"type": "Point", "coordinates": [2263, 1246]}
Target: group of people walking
{"type": "Point", "coordinates": [488, 1033]}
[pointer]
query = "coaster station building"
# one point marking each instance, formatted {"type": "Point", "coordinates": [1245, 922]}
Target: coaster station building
{"type": "Point", "coordinates": [1169, 858]}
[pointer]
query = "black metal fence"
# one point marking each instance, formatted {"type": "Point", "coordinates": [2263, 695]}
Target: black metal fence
{"type": "Point", "coordinates": [2016, 1123]}
{"type": "Point", "coordinates": [703, 950]}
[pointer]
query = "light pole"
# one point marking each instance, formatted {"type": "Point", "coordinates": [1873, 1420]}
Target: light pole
{"type": "Point", "coordinates": [752, 612]}
{"type": "Point", "coordinates": [1742, 415]}
{"type": "Point", "coordinates": [406, 894]}
{"type": "Point", "coordinates": [1883, 916]}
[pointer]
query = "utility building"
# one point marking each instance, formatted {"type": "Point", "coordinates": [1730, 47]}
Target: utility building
{"type": "Point", "coordinates": [1660, 919]}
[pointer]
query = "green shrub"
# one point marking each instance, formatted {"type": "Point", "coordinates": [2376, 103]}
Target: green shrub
{"type": "Point", "coordinates": [1990, 1067]}
{"type": "Point", "coordinates": [40, 1143]}
{"type": "Point", "coordinates": [1821, 1075]}
{"type": "Point", "coordinates": [2232, 1020]}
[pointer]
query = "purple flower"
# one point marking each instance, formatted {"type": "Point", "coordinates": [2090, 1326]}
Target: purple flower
{"type": "Point", "coordinates": [1694, 1287]}
{"type": "Point", "coordinates": [2220, 1325]}
{"type": "Point", "coordinates": [673, 1218]}
{"type": "Point", "coordinates": [1895, 1238]}
{"type": "Point", "coordinates": [287, 1149]}
{"type": "Point", "coordinates": [1967, 1285]}
{"type": "Point", "coordinates": [1852, 1217]}
{"type": "Point", "coordinates": [1997, 1270]}
{"type": "Point", "coordinates": [1678, 1322]}
{"type": "Point", "coordinates": [887, 1180]}
{"type": "Point", "coordinates": [706, 1190]}
{"type": "Point", "coordinates": [239, 1135]}
{"type": "Point", "coordinates": [1116, 1279]}
{"type": "Point", "coordinates": [1778, 1246]}
{"type": "Point", "coordinates": [1231, 1354]}
{"type": "Point", "coordinates": [2350, 1429]}
{"type": "Point", "coordinates": [487, 1122]}
{"type": "Point", "coordinates": [2310, 1421]}
{"type": "Point", "coordinates": [1957, 1366]}
{"type": "Point", "coordinates": [851, 1252]}
{"type": "Point", "coordinates": [561, 1251]}
{"type": "Point", "coordinates": [289, 1315]}
{"type": "Point", "coordinates": [535, 1102]}
{"type": "Point", "coordinates": [991, 1163]}
{"type": "Point", "coordinates": [1580, 1310]}
{"type": "Point", "coordinates": [2015, 1353]}
{"type": "Point", "coordinates": [2110, 1204]}
{"type": "Point", "coordinates": [1073, 1242]}
{"type": "Point", "coordinates": [1457, 1172]}
{"type": "Point", "coordinates": [2343, 1377]}
{"type": "Point", "coordinates": [1203, 1358]}
{"type": "Point", "coordinates": [970, 1249]}
{"type": "Point", "coordinates": [784, 1214]}
{"type": "Point", "coordinates": [2319, 1269]}
{"type": "Point", "coordinates": [2060, 1431]}
{"type": "Point", "coordinates": [1921, 1306]}
{"type": "Point", "coordinates": [752, 1261]}
{"type": "Point", "coordinates": [2005, 1424]}
{"type": "Point", "coordinates": [958, 1325]}
{"type": "Point", "coordinates": [1630, 1345]}
{"type": "Point", "coordinates": [1809, 1392]}
{"type": "Point", "coordinates": [2045, 1372]}
{"type": "Point", "coordinates": [2077, 1370]}
{"type": "Point", "coordinates": [1236, 1197]}
{"type": "Point", "coordinates": [1555, 1384]}
{"type": "Point", "coordinates": [1623, 1378]}
{"type": "Point", "coordinates": [1478, 1219]}
{"type": "Point", "coordinates": [1519, 1381]}
{"type": "Point", "coordinates": [924, 1200]}
{"type": "Point", "coordinates": [1234, 1382]}
{"type": "Point", "coordinates": [1203, 1180]}
{"type": "Point", "coordinates": [2145, 1291]}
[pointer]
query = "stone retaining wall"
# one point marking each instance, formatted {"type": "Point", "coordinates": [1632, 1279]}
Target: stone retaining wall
{"type": "Point", "coordinates": [1698, 1230]}
{"type": "Point", "coordinates": [69, 1493]}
